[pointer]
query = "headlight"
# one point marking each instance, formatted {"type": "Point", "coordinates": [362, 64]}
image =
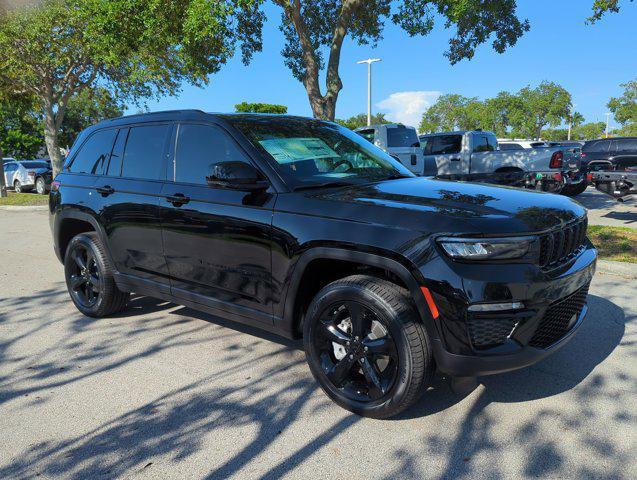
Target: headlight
{"type": "Point", "coordinates": [488, 248]}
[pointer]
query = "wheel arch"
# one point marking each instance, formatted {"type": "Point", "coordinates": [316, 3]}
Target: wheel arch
{"type": "Point", "coordinates": [294, 301]}
{"type": "Point", "coordinates": [70, 223]}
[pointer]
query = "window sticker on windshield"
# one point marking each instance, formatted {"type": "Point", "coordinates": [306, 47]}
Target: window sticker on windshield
{"type": "Point", "coordinates": [288, 150]}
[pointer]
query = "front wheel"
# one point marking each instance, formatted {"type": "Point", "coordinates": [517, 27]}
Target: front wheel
{"type": "Point", "coordinates": [366, 346]}
{"type": "Point", "coordinates": [89, 277]}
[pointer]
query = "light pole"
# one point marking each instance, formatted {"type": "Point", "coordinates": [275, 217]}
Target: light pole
{"type": "Point", "coordinates": [570, 121]}
{"type": "Point", "coordinates": [369, 62]}
{"type": "Point", "coordinates": [607, 122]}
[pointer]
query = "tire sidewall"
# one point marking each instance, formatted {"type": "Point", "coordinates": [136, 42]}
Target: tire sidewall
{"type": "Point", "coordinates": [40, 187]}
{"type": "Point", "coordinates": [388, 317]}
{"type": "Point", "coordinates": [89, 243]}
{"type": "Point", "coordinates": [17, 186]}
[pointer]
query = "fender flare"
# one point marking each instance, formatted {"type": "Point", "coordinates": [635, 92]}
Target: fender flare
{"type": "Point", "coordinates": [365, 258]}
{"type": "Point", "coordinates": [84, 216]}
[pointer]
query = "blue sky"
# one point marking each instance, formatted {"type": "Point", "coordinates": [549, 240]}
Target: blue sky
{"type": "Point", "coordinates": [588, 60]}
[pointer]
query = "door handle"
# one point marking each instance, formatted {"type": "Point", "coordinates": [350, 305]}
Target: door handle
{"type": "Point", "coordinates": [106, 190]}
{"type": "Point", "coordinates": [455, 159]}
{"type": "Point", "coordinates": [178, 199]}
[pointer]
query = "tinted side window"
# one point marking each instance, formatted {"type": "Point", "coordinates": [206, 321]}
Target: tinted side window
{"type": "Point", "coordinates": [627, 144]}
{"type": "Point", "coordinates": [481, 144]}
{"type": "Point", "coordinates": [10, 167]}
{"type": "Point", "coordinates": [443, 144]}
{"type": "Point", "coordinates": [93, 155]}
{"type": "Point", "coordinates": [511, 146]}
{"type": "Point", "coordinates": [402, 137]}
{"type": "Point", "coordinates": [599, 146]}
{"type": "Point", "coordinates": [115, 164]}
{"type": "Point", "coordinates": [199, 148]}
{"type": "Point", "coordinates": [144, 152]}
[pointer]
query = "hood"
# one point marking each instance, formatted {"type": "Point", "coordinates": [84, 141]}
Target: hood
{"type": "Point", "coordinates": [448, 206]}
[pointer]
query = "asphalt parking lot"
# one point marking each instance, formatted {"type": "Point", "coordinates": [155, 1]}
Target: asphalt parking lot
{"type": "Point", "coordinates": [162, 391]}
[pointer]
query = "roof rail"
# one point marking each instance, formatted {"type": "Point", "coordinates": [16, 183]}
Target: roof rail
{"type": "Point", "coordinates": [162, 112]}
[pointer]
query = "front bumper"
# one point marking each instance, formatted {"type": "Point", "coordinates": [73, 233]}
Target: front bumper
{"type": "Point", "coordinates": [463, 346]}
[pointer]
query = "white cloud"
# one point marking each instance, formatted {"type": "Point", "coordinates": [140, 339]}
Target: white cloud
{"type": "Point", "coordinates": [408, 107]}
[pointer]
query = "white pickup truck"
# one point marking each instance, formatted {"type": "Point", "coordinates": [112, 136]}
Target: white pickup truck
{"type": "Point", "coordinates": [476, 156]}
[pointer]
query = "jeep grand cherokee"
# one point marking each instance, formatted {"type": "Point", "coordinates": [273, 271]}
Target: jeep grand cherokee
{"type": "Point", "coordinates": [303, 228]}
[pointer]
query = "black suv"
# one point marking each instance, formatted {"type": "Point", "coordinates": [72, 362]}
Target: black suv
{"type": "Point", "coordinates": [610, 154]}
{"type": "Point", "coordinates": [304, 228]}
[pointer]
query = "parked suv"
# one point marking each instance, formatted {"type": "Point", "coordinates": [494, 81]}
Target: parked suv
{"type": "Point", "coordinates": [304, 228]}
{"type": "Point", "coordinates": [610, 154]}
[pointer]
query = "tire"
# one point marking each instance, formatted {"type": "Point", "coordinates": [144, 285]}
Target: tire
{"type": "Point", "coordinates": [89, 277]}
{"type": "Point", "coordinates": [40, 186]}
{"type": "Point", "coordinates": [408, 363]}
{"type": "Point", "coordinates": [574, 190]}
{"type": "Point", "coordinates": [17, 186]}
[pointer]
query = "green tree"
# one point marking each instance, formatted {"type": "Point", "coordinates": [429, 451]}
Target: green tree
{"type": "Point", "coordinates": [135, 48]}
{"type": "Point", "coordinates": [548, 104]}
{"type": "Point", "coordinates": [20, 127]}
{"type": "Point", "coordinates": [448, 113]}
{"type": "Point", "coordinates": [588, 131]}
{"type": "Point", "coordinates": [86, 108]}
{"type": "Point", "coordinates": [360, 120]}
{"type": "Point", "coordinates": [624, 108]}
{"type": "Point", "coordinates": [315, 30]}
{"type": "Point", "coordinates": [245, 107]}
{"type": "Point", "coordinates": [602, 7]}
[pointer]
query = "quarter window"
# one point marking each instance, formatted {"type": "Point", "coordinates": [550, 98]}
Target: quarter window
{"type": "Point", "coordinates": [143, 155]}
{"type": "Point", "coordinates": [93, 155]}
{"type": "Point", "coordinates": [199, 148]}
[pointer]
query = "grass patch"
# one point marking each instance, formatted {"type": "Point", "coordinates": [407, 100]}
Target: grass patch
{"type": "Point", "coordinates": [24, 199]}
{"type": "Point", "coordinates": [614, 243]}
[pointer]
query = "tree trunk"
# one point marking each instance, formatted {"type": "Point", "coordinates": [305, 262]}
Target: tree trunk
{"type": "Point", "coordinates": [51, 138]}
{"type": "Point", "coordinates": [3, 185]}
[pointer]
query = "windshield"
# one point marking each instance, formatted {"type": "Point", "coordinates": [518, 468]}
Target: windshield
{"type": "Point", "coordinates": [402, 136]}
{"type": "Point", "coordinates": [310, 153]}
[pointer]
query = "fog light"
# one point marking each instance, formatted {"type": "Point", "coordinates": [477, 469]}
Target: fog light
{"type": "Point", "coordinates": [495, 307]}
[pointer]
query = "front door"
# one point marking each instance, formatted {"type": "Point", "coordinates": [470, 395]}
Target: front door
{"type": "Point", "coordinates": [447, 151]}
{"type": "Point", "coordinates": [216, 240]}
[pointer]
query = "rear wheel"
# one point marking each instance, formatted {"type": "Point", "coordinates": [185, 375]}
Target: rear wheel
{"type": "Point", "coordinates": [574, 190]}
{"type": "Point", "coordinates": [89, 277]}
{"type": "Point", "coordinates": [40, 186]}
{"type": "Point", "coordinates": [366, 346]}
{"type": "Point", "coordinates": [17, 186]}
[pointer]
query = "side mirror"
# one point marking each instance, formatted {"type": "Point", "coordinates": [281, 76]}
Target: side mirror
{"type": "Point", "coordinates": [236, 175]}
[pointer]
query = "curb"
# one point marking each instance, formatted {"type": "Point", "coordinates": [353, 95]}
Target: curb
{"type": "Point", "coordinates": [24, 208]}
{"type": "Point", "coordinates": [620, 269]}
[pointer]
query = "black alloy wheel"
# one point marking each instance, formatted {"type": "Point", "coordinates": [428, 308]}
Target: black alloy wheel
{"type": "Point", "coordinates": [357, 353]}
{"type": "Point", "coordinates": [366, 346]}
{"type": "Point", "coordinates": [85, 285]}
{"type": "Point", "coordinates": [89, 277]}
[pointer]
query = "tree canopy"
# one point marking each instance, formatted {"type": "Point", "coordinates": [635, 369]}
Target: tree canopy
{"type": "Point", "coordinates": [134, 48]}
{"type": "Point", "coordinates": [602, 7]}
{"type": "Point", "coordinates": [360, 120]}
{"type": "Point", "coordinates": [624, 108]}
{"type": "Point", "coordinates": [245, 107]}
{"type": "Point", "coordinates": [526, 113]}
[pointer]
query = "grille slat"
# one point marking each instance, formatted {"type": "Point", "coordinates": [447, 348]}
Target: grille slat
{"type": "Point", "coordinates": [555, 322]}
{"type": "Point", "coordinates": [559, 246]}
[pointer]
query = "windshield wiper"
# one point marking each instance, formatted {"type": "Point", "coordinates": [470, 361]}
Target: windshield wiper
{"type": "Point", "coordinates": [323, 185]}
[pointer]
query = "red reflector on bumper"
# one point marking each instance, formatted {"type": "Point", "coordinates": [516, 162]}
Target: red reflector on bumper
{"type": "Point", "coordinates": [430, 302]}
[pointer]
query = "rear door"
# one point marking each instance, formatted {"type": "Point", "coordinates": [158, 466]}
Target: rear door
{"type": "Point", "coordinates": [403, 144]}
{"type": "Point", "coordinates": [129, 194]}
{"type": "Point", "coordinates": [595, 154]}
{"type": "Point", "coordinates": [216, 240]}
